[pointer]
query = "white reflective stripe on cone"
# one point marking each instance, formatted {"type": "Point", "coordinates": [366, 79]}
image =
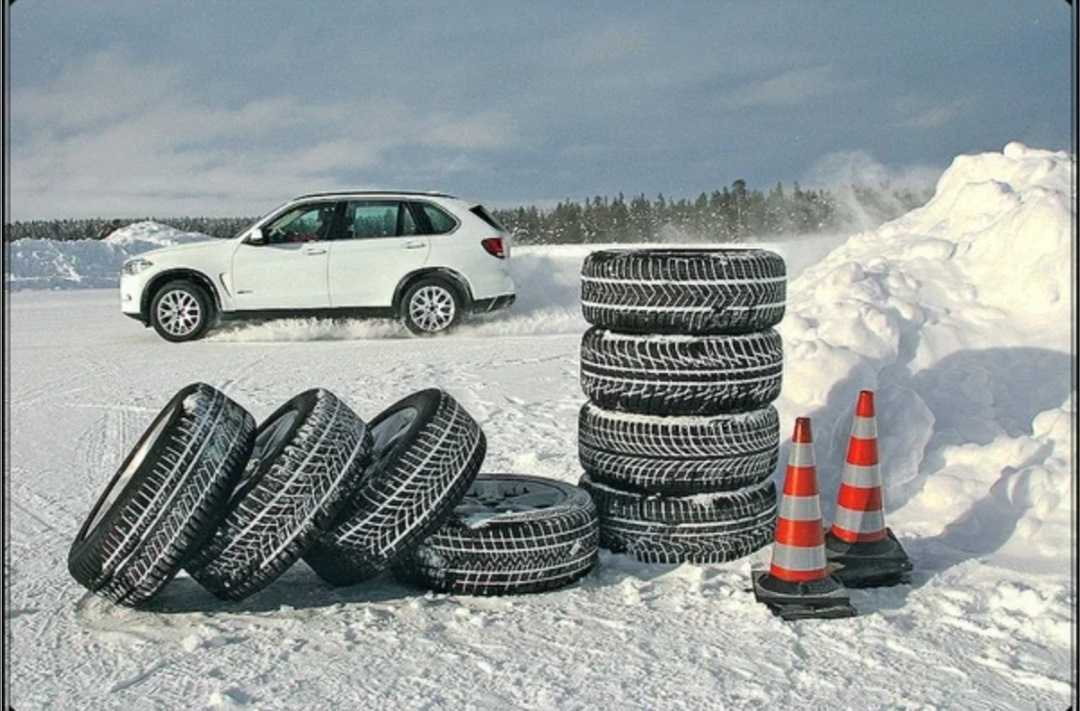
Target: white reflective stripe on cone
{"type": "Point", "coordinates": [859, 521]}
{"type": "Point", "coordinates": [801, 455]}
{"type": "Point", "coordinates": [862, 477]}
{"type": "Point", "coordinates": [800, 508]}
{"type": "Point", "coordinates": [864, 427]}
{"type": "Point", "coordinates": [797, 558]}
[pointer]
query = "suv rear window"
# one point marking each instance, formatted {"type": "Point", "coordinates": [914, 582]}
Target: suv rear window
{"type": "Point", "coordinates": [481, 212]}
{"type": "Point", "coordinates": [438, 221]}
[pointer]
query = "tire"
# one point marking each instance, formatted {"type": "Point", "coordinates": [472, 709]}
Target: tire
{"type": "Point", "coordinates": [184, 297]}
{"type": "Point", "coordinates": [167, 498]}
{"type": "Point", "coordinates": [431, 306]}
{"type": "Point", "coordinates": [678, 456]}
{"type": "Point", "coordinates": [427, 452]}
{"type": "Point", "coordinates": [309, 456]}
{"type": "Point", "coordinates": [711, 528]}
{"type": "Point", "coordinates": [681, 375]}
{"type": "Point", "coordinates": [687, 291]}
{"type": "Point", "coordinates": [511, 534]}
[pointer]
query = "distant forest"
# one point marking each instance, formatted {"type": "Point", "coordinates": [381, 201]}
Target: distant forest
{"type": "Point", "coordinates": [730, 214]}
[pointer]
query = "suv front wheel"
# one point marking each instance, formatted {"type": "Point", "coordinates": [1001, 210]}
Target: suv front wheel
{"type": "Point", "coordinates": [181, 311]}
{"type": "Point", "coordinates": [431, 306]}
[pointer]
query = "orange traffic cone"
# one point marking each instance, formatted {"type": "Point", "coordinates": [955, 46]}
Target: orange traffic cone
{"type": "Point", "coordinates": [864, 551]}
{"type": "Point", "coordinates": [797, 584]}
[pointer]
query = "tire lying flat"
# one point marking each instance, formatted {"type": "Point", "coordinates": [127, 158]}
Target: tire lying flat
{"type": "Point", "coordinates": [167, 498]}
{"type": "Point", "coordinates": [678, 456]}
{"type": "Point", "coordinates": [707, 528]}
{"type": "Point", "coordinates": [427, 452]}
{"type": "Point", "coordinates": [681, 375]}
{"type": "Point", "coordinates": [688, 291]}
{"type": "Point", "coordinates": [309, 456]}
{"type": "Point", "coordinates": [511, 534]}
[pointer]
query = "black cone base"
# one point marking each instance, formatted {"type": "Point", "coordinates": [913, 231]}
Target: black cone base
{"type": "Point", "coordinates": [821, 599]}
{"type": "Point", "coordinates": [879, 564]}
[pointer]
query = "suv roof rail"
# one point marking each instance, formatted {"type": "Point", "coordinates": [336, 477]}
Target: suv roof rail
{"type": "Point", "coordinates": [368, 191]}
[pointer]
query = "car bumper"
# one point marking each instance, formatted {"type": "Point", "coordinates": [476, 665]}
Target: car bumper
{"type": "Point", "coordinates": [494, 303]}
{"type": "Point", "coordinates": [131, 290]}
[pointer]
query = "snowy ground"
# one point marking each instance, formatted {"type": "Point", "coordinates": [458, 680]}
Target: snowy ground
{"type": "Point", "coordinates": [963, 336]}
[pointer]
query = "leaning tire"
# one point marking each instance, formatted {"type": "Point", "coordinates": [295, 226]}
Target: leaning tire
{"type": "Point", "coordinates": [689, 291]}
{"type": "Point", "coordinates": [710, 528]}
{"type": "Point", "coordinates": [511, 534]}
{"type": "Point", "coordinates": [427, 453]}
{"type": "Point", "coordinates": [681, 375]}
{"type": "Point", "coordinates": [167, 498]}
{"type": "Point", "coordinates": [309, 456]}
{"type": "Point", "coordinates": [678, 456]}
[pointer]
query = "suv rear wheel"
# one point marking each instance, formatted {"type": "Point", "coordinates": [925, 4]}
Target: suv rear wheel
{"type": "Point", "coordinates": [431, 306]}
{"type": "Point", "coordinates": [181, 311]}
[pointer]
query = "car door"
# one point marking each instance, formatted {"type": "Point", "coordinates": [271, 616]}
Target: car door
{"type": "Point", "coordinates": [377, 245]}
{"type": "Point", "coordinates": [288, 270]}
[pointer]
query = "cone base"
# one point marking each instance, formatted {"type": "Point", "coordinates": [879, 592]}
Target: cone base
{"type": "Point", "coordinates": [820, 599]}
{"type": "Point", "coordinates": [879, 564]}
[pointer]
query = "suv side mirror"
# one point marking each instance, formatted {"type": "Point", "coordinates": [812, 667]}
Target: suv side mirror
{"type": "Point", "coordinates": [255, 237]}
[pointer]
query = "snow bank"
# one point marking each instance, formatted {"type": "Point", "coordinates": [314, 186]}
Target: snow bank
{"type": "Point", "coordinates": [958, 315]}
{"type": "Point", "coordinates": [86, 264]}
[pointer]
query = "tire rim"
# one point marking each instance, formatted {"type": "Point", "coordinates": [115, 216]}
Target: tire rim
{"type": "Point", "coordinates": [494, 497]}
{"type": "Point", "coordinates": [179, 313]}
{"type": "Point", "coordinates": [432, 308]}
{"type": "Point", "coordinates": [390, 430]}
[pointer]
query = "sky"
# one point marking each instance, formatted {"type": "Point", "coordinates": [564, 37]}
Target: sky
{"type": "Point", "coordinates": [134, 108]}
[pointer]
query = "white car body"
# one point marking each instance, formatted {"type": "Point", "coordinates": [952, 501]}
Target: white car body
{"type": "Point", "coordinates": [337, 274]}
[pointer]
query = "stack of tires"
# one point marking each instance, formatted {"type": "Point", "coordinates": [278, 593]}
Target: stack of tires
{"type": "Point", "coordinates": [679, 440]}
{"type": "Point", "coordinates": [235, 505]}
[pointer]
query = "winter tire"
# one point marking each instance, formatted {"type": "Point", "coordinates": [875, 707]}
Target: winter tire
{"type": "Point", "coordinates": [431, 306]}
{"type": "Point", "coordinates": [678, 456]}
{"type": "Point", "coordinates": [688, 291]}
{"type": "Point", "coordinates": [511, 534]}
{"type": "Point", "coordinates": [309, 456]}
{"type": "Point", "coordinates": [707, 528]}
{"type": "Point", "coordinates": [681, 375]}
{"type": "Point", "coordinates": [427, 453]}
{"type": "Point", "coordinates": [181, 311]}
{"type": "Point", "coordinates": [167, 498]}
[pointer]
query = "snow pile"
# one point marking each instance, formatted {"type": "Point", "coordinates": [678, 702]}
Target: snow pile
{"type": "Point", "coordinates": [86, 264]}
{"type": "Point", "coordinates": [958, 315]}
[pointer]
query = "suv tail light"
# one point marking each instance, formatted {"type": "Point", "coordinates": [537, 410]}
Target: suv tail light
{"type": "Point", "coordinates": [495, 246]}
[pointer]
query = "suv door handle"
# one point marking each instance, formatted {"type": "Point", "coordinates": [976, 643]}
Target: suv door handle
{"type": "Point", "coordinates": [414, 245]}
{"type": "Point", "coordinates": [314, 250]}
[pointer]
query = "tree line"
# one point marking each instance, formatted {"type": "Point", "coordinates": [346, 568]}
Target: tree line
{"type": "Point", "coordinates": [729, 214]}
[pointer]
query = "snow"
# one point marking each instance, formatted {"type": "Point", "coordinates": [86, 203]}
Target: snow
{"type": "Point", "coordinates": [86, 264]}
{"type": "Point", "coordinates": [957, 314]}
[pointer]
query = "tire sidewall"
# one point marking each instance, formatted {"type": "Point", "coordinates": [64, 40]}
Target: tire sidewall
{"type": "Point", "coordinates": [459, 306]}
{"type": "Point", "coordinates": [87, 539]}
{"type": "Point", "coordinates": [206, 310]}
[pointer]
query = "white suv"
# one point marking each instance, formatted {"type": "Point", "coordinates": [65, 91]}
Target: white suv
{"type": "Point", "coordinates": [427, 258]}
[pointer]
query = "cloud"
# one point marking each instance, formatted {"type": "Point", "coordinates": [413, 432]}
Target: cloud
{"type": "Point", "coordinates": [933, 116]}
{"type": "Point", "coordinates": [790, 88]}
{"type": "Point", "coordinates": [110, 136]}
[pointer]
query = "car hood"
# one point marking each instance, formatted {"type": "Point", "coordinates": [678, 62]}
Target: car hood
{"type": "Point", "coordinates": [212, 245]}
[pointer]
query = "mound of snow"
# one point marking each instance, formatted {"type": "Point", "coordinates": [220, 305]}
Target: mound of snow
{"type": "Point", "coordinates": [86, 264]}
{"type": "Point", "coordinates": [958, 315]}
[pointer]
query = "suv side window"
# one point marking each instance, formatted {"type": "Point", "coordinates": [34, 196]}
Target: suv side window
{"type": "Point", "coordinates": [377, 218]}
{"type": "Point", "coordinates": [438, 222]}
{"type": "Point", "coordinates": [304, 223]}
